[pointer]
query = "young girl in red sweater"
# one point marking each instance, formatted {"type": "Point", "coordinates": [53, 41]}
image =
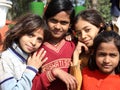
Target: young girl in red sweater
{"type": "Point", "coordinates": [54, 73]}
{"type": "Point", "coordinates": [103, 71]}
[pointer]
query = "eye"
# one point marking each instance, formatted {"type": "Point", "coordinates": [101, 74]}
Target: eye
{"type": "Point", "coordinates": [87, 30]}
{"type": "Point", "coordinates": [30, 35]}
{"type": "Point", "coordinates": [113, 55]}
{"type": "Point", "coordinates": [40, 40]}
{"type": "Point", "coordinates": [101, 54]}
{"type": "Point", "coordinates": [64, 22]}
{"type": "Point", "coordinates": [53, 21]}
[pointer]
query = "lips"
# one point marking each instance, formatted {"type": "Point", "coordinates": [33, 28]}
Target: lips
{"type": "Point", "coordinates": [107, 66]}
{"type": "Point", "coordinates": [86, 41]}
{"type": "Point", "coordinates": [30, 48]}
{"type": "Point", "coordinates": [56, 32]}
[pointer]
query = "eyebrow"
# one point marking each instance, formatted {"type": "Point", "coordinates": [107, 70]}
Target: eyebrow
{"type": "Point", "coordinates": [85, 27]}
{"type": "Point", "coordinates": [82, 28]}
{"type": "Point", "coordinates": [58, 20]}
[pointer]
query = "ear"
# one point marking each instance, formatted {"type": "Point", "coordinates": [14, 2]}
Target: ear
{"type": "Point", "coordinates": [70, 25]}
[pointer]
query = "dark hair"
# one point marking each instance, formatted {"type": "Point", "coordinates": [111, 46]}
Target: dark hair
{"type": "Point", "coordinates": [105, 36]}
{"type": "Point", "coordinates": [25, 25]}
{"type": "Point", "coordinates": [92, 16]}
{"type": "Point", "coordinates": [56, 6]}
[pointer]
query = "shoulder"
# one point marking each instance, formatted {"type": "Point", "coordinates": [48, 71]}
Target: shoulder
{"type": "Point", "coordinates": [8, 57]}
{"type": "Point", "coordinates": [87, 72]}
{"type": "Point", "coordinates": [70, 43]}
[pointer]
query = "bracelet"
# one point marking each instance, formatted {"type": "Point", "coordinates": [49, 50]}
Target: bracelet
{"type": "Point", "coordinates": [50, 76]}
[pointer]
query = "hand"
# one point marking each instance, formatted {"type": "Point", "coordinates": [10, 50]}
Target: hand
{"type": "Point", "coordinates": [68, 38]}
{"type": "Point", "coordinates": [78, 51]}
{"type": "Point", "coordinates": [67, 78]}
{"type": "Point", "coordinates": [37, 59]}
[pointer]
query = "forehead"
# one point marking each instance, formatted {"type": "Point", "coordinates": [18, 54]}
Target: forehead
{"type": "Point", "coordinates": [39, 32]}
{"type": "Point", "coordinates": [62, 16]}
{"type": "Point", "coordinates": [82, 23]}
{"type": "Point", "coordinates": [109, 46]}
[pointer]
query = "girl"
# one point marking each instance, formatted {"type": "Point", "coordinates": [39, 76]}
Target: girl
{"type": "Point", "coordinates": [16, 69]}
{"type": "Point", "coordinates": [104, 65]}
{"type": "Point", "coordinates": [58, 15]}
{"type": "Point", "coordinates": [87, 25]}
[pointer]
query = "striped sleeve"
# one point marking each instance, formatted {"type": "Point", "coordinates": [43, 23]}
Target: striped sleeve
{"type": "Point", "coordinates": [8, 80]}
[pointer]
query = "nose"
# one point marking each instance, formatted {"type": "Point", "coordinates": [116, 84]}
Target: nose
{"type": "Point", "coordinates": [83, 35]}
{"type": "Point", "coordinates": [106, 59]}
{"type": "Point", "coordinates": [58, 25]}
{"type": "Point", "coordinates": [33, 41]}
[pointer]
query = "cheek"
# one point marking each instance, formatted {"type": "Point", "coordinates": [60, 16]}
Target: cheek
{"type": "Point", "coordinates": [50, 25]}
{"type": "Point", "coordinates": [98, 61]}
{"type": "Point", "coordinates": [38, 45]}
{"type": "Point", "coordinates": [93, 34]}
{"type": "Point", "coordinates": [65, 30]}
{"type": "Point", "coordinates": [117, 61]}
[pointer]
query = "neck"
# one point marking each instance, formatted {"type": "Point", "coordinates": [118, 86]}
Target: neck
{"type": "Point", "coordinates": [55, 41]}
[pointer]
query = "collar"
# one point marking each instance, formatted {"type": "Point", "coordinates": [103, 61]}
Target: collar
{"type": "Point", "coordinates": [16, 50]}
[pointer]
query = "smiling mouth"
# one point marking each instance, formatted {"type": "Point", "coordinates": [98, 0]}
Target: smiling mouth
{"type": "Point", "coordinates": [86, 42]}
{"type": "Point", "coordinates": [30, 48]}
{"type": "Point", "coordinates": [106, 66]}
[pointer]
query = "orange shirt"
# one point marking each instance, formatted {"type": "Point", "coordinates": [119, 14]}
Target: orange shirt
{"type": "Point", "coordinates": [95, 80]}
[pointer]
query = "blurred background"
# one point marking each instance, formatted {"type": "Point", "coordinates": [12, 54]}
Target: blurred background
{"type": "Point", "coordinates": [20, 7]}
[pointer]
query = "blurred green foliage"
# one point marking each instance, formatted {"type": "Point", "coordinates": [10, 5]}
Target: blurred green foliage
{"type": "Point", "coordinates": [22, 6]}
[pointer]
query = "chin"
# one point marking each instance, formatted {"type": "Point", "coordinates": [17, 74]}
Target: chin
{"type": "Point", "coordinates": [89, 45]}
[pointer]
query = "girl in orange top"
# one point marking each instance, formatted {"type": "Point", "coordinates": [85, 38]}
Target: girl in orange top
{"type": "Point", "coordinates": [103, 72]}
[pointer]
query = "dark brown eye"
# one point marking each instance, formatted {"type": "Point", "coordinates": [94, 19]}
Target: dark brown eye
{"type": "Point", "coordinates": [64, 22]}
{"type": "Point", "coordinates": [53, 21]}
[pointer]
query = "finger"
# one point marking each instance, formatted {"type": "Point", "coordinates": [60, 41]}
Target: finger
{"type": "Point", "coordinates": [42, 55]}
{"type": "Point", "coordinates": [72, 84]}
{"type": "Point", "coordinates": [40, 52]}
{"type": "Point", "coordinates": [34, 54]}
{"type": "Point", "coordinates": [82, 45]}
{"type": "Point", "coordinates": [86, 48]}
{"type": "Point", "coordinates": [44, 60]}
{"type": "Point", "coordinates": [68, 87]}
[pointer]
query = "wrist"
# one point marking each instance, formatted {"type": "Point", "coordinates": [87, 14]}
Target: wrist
{"type": "Point", "coordinates": [50, 76]}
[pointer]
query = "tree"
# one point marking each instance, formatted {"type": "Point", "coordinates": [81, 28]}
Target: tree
{"type": "Point", "coordinates": [103, 6]}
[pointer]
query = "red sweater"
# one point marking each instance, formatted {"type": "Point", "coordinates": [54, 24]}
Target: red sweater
{"type": "Point", "coordinates": [58, 57]}
{"type": "Point", "coordinates": [95, 80]}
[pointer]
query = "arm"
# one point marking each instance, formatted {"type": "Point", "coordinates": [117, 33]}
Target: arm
{"type": "Point", "coordinates": [78, 50]}
{"type": "Point", "coordinates": [75, 65]}
{"type": "Point", "coordinates": [43, 81]}
{"type": "Point", "coordinates": [76, 72]}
